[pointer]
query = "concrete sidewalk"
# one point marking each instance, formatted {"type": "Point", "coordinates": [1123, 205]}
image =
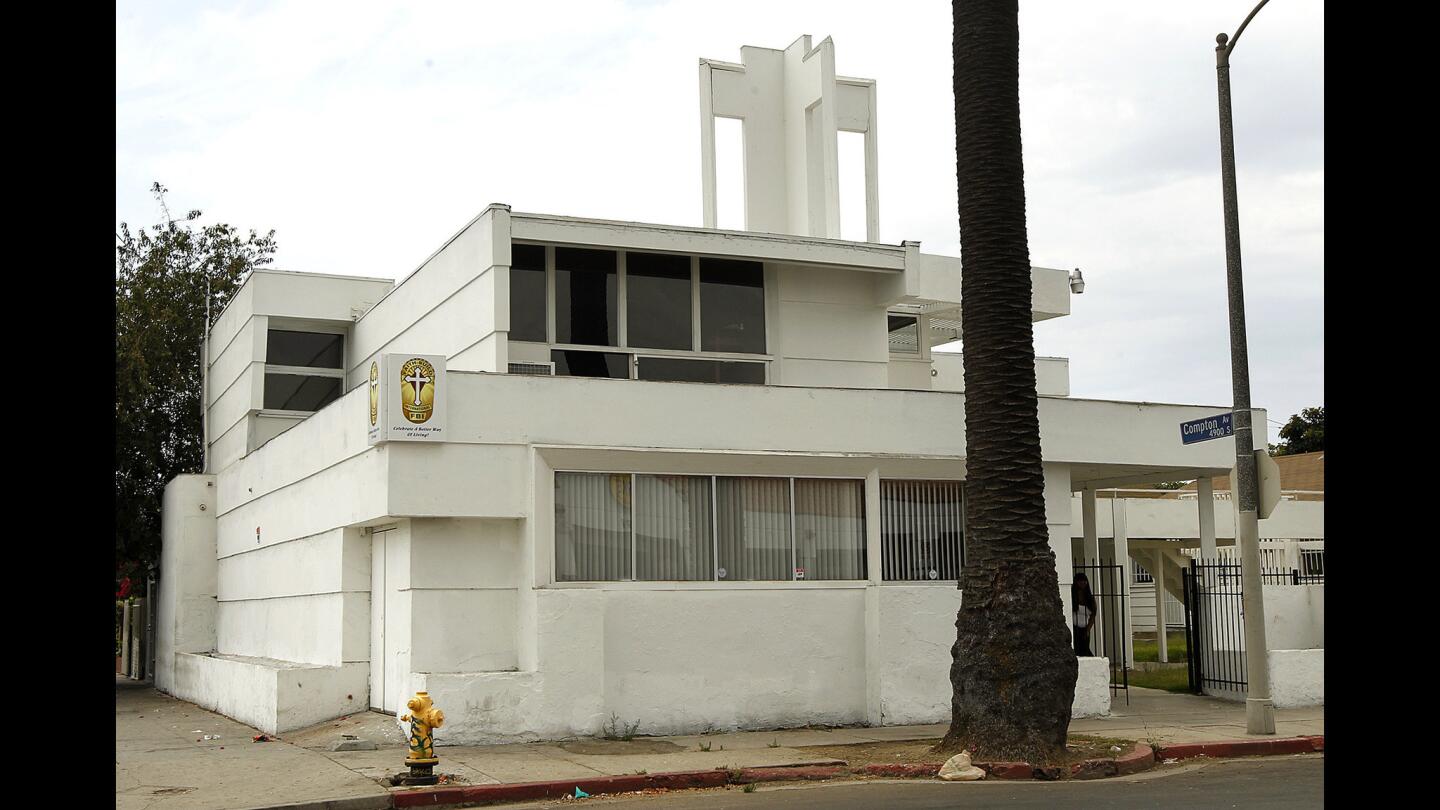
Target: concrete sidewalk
{"type": "Point", "coordinates": [160, 765]}
{"type": "Point", "coordinates": [1157, 716]}
{"type": "Point", "coordinates": [163, 761]}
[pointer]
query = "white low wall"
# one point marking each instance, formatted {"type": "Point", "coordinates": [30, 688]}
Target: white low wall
{"type": "Point", "coordinates": [273, 696]}
{"type": "Point", "coordinates": [685, 660]}
{"type": "Point", "coordinates": [1092, 689]}
{"type": "Point", "coordinates": [1294, 617]}
{"type": "Point", "coordinates": [914, 628]}
{"type": "Point", "coordinates": [1297, 678]}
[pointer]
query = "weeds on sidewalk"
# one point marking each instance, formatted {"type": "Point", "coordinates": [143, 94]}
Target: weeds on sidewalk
{"type": "Point", "coordinates": [617, 729]}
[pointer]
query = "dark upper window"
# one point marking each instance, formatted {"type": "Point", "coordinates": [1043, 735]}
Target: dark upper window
{"type": "Point", "coordinates": [575, 363]}
{"type": "Point", "coordinates": [527, 292]}
{"type": "Point", "coordinates": [684, 369]}
{"type": "Point", "coordinates": [309, 349]}
{"type": "Point", "coordinates": [304, 371]}
{"type": "Point", "coordinates": [732, 306]}
{"type": "Point", "coordinates": [292, 392]}
{"type": "Point", "coordinates": [586, 290]}
{"type": "Point", "coordinates": [657, 296]}
{"type": "Point", "coordinates": [904, 334]}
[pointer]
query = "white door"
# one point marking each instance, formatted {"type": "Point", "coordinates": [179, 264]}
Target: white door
{"type": "Point", "coordinates": [377, 620]}
{"type": "Point", "coordinates": [396, 617]}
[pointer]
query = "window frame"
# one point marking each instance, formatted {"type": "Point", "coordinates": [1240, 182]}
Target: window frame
{"type": "Point", "coordinates": [714, 582]}
{"type": "Point", "coordinates": [319, 328]}
{"type": "Point", "coordinates": [919, 352]}
{"type": "Point", "coordinates": [964, 536]}
{"type": "Point", "coordinates": [623, 312]}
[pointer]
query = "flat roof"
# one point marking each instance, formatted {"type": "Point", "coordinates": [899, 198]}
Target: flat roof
{"type": "Point", "coordinates": [308, 273]}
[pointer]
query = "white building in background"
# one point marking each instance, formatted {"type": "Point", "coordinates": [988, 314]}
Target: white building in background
{"type": "Point", "coordinates": [693, 477]}
{"type": "Point", "coordinates": [1156, 533]}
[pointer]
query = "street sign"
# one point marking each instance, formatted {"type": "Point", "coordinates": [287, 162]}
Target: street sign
{"type": "Point", "coordinates": [1203, 430]}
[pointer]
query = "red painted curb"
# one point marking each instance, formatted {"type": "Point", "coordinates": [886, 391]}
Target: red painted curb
{"type": "Point", "coordinates": [915, 769]}
{"type": "Point", "coordinates": [744, 775]}
{"type": "Point", "coordinates": [1007, 770]}
{"type": "Point", "coordinates": [525, 791]}
{"type": "Point", "coordinates": [1141, 759]}
{"type": "Point", "coordinates": [1243, 748]}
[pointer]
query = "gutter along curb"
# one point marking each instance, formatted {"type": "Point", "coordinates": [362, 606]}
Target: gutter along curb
{"type": "Point", "coordinates": [1142, 758]}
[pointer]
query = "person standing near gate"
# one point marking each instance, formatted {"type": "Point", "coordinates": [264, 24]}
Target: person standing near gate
{"type": "Point", "coordinates": [1084, 614]}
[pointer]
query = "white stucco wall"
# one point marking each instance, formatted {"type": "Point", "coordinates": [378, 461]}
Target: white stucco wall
{"type": "Point", "coordinates": [273, 696]}
{"type": "Point", "coordinates": [915, 630]}
{"type": "Point", "coordinates": [1150, 518]}
{"type": "Point", "coordinates": [472, 619]}
{"type": "Point", "coordinates": [185, 601]}
{"type": "Point", "coordinates": [291, 565]}
{"type": "Point", "coordinates": [1294, 617]}
{"type": "Point", "coordinates": [828, 330]}
{"type": "Point", "coordinates": [455, 299]}
{"type": "Point", "coordinates": [1092, 688]}
{"type": "Point", "coordinates": [683, 660]}
{"type": "Point", "coordinates": [1297, 678]}
{"type": "Point", "coordinates": [288, 601]}
{"type": "Point", "coordinates": [238, 344]}
{"type": "Point", "coordinates": [463, 577]}
{"type": "Point", "coordinates": [1052, 374]}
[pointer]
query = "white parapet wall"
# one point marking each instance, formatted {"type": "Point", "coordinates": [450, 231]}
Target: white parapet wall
{"type": "Point", "coordinates": [1294, 617]}
{"type": "Point", "coordinates": [1297, 678]}
{"type": "Point", "coordinates": [273, 696]}
{"type": "Point", "coordinates": [1092, 688]}
{"type": "Point", "coordinates": [641, 654]}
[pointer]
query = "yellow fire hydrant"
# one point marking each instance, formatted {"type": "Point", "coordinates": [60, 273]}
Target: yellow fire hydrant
{"type": "Point", "coordinates": [424, 718]}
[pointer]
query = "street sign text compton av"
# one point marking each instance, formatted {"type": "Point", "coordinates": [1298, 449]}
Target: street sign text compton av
{"type": "Point", "coordinates": [1202, 430]}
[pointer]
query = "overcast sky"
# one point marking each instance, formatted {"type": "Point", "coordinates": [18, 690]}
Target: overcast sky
{"type": "Point", "coordinates": [367, 133]}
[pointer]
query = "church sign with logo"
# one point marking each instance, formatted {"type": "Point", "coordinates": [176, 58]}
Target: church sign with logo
{"type": "Point", "coordinates": [407, 398]}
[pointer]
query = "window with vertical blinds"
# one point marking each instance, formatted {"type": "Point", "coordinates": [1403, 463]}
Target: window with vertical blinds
{"type": "Point", "coordinates": [673, 529]}
{"type": "Point", "coordinates": [752, 522]}
{"type": "Point", "coordinates": [592, 527]}
{"type": "Point", "coordinates": [612, 527]}
{"type": "Point", "coordinates": [922, 530]}
{"type": "Point", "coordinates": [829, 529]}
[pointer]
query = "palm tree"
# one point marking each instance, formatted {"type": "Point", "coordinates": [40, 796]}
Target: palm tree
{"type": "Point", "coordinates": [1013, 673]}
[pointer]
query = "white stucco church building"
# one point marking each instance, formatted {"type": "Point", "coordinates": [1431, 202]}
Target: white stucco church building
{"type": "Point", "coordinates": [574, 467]}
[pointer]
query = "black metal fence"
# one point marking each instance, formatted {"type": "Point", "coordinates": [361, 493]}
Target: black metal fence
{"type": "Point", "coordinates": [1215, 620]}
{"type": "Point", "coordinates": [1111, 631]}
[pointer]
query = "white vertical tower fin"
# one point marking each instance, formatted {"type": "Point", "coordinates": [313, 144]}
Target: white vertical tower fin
{"type": "Point", "coordinates": [792, 105]}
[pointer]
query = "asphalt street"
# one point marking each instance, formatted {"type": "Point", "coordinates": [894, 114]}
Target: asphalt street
{"type": "Point", "coordinates": [1265, 782]}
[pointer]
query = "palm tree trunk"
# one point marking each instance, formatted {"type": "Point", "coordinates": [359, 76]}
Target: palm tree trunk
{"type": "Point", "coordinates": [1013, 673]}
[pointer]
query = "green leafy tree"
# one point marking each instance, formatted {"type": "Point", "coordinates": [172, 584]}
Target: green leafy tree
{"type": "Point", "coordinates": [1013, 670]}
{"type": "Point", "coordinates": [1304, 433]}
{"type": "Point", "coordinates": [162, 275]}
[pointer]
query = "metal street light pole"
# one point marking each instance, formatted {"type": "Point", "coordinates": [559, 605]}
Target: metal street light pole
{"type": "Point", "coordinates": [1259, 711]}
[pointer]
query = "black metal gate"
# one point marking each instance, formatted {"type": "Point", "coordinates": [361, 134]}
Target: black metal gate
{"type": "Point", "coordinates": [1112, 630]}
{"type": "Point", "coordinates": [1214, 626]}
{"type": "Point", "coordinates": [1215, 621]}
